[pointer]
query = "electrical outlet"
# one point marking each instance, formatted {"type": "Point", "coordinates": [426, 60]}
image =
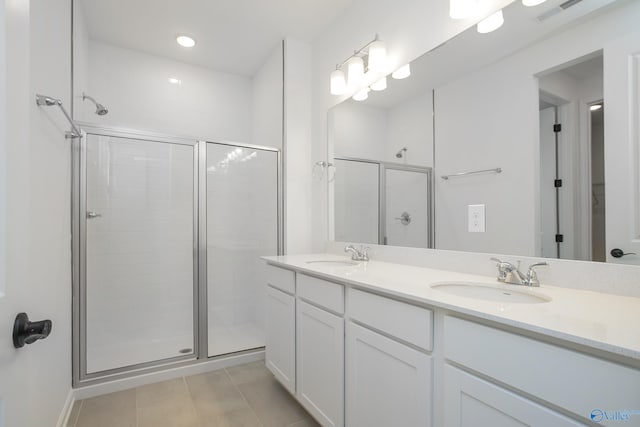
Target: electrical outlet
{"type": "Point", "coordinates": [476, 219]}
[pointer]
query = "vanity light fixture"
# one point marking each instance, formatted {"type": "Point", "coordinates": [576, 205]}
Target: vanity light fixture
{"type": "Point", "coordinates": [532, 2]}
{"type": "Point", "coordinates": [462, 9]}
{"type": "Point", "coordinates": [379, 85]}
{"type": "Point", "coordinates": [377, 62]}
{"type": "Point", "coordinates": [355, 71]}
{"type": "Point", "coordinates": [368, 62]}
{"type": "Point", "coordinates": [338, 82]}
{"type": "Point", "coordinates": [491, 23]}
{"type": "Point", "coordinates": [402, 72]}
{"type": "Point", "coordinates": [595, 107]}
{"type": "Point", "coordinates": [361, 95]}
{"type": "Point", "coordinates": [185, 41]}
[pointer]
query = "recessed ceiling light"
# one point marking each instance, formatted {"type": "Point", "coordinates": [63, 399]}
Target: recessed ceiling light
{"type": "Point", "coordinates": [186, 41]}
{"type": "Point", "coordinates": [595, 107]}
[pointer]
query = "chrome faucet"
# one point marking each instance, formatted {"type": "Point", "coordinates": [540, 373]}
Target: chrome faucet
{"type": "Point", "coordinates": [358, 255]}
{"type": "Point", "coordinates": [509, 273]}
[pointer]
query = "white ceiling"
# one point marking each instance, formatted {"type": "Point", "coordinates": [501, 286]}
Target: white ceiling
{"type": "Point", "coordinates": [233, 35]}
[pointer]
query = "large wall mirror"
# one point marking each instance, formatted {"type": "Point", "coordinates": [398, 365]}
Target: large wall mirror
{"type": "Point", "coordinates": [522, 141]}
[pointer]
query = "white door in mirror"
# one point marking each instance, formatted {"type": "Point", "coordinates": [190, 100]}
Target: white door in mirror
{"type": "Point", "coordinates": [622, 139]}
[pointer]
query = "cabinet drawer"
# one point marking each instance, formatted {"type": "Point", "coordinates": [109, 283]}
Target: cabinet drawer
{"type": "Point", "coordinates": [321, 292]}
{"type": "Point", "coordinates": [406, 322]}
{"type": "Point", "coordinates": [571, 380]}
{"type": "Point", "coordinates": [281, 278]}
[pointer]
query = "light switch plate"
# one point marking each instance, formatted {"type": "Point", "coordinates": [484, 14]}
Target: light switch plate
{"type": "Point", "coordinates": [476, 219]}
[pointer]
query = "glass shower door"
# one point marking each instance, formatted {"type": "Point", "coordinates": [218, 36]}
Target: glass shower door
{"type": "Point", "coordinates": [139, 256]}
{"type": "Point", "coordinates": [242, 224]}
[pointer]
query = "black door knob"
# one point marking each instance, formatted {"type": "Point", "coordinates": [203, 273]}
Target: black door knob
{"type": "Point", "coordinates": [618, 253]}
{"type": "Point", "coordinates": [26, 332]}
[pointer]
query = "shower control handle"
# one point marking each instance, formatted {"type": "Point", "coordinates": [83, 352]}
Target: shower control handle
{"type": "Point", "coordinates": [91, 215]}
{"type": "Point", "coordinates": [27, 332]}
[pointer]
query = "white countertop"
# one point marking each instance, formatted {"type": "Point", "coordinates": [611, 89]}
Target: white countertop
{"type": "Point", "coordinates": [601, 321]}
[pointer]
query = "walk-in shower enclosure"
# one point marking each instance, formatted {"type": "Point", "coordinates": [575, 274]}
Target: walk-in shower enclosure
{"type": "Point", "coordinates": [167, 236]}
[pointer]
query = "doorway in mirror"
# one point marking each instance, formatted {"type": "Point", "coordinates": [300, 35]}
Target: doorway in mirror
{"type": "Point", "coordinates": [572, 160]}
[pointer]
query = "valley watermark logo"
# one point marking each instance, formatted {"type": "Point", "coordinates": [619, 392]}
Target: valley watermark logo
{"type": "Point", "coordinates": [623, 415]}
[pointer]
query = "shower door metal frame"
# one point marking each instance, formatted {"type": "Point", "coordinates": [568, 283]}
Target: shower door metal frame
{"type": "Point", "coordinates": [78, 245]}
{"type": "Point", "coordinates": [382, 193]}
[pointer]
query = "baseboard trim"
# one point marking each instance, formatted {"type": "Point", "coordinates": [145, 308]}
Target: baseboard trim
{"type": "Point", "coordinates": [168, 374]}
{"type": "Point", "coordinates": [63, 419]}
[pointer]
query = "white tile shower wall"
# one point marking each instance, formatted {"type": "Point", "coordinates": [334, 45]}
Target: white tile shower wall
{"type": "Point", "coordinates": [135, 87]}
{"type": "Point", "coordinates": [409, 27]}
{"type": "Point", "coordinates": [139, 251]}
{"type": "Point", "coordinates": [592, 276]}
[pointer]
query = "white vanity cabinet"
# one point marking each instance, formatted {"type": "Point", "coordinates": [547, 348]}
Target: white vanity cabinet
{"type": "Point", "coordinates": [305, 341]}
{"type": "Point", "coordinates": [471, 402]}
{"type": "Point", "coordinates": [549, 375]}
{"type": "Point", "coordinates": [388, 370]}
{"type": "Point", "coordinates": [280, 352]}
{"type": "Point", "coordinates": [320, 349]}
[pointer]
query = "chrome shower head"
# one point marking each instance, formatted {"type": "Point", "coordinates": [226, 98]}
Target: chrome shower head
{"type": "Point", "coordinates": [400, 153]}
{"type": "Point", "coordinates": [101, 110]}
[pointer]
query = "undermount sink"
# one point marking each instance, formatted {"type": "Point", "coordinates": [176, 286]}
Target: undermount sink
{"type": "Point", "coordinates": [487, 292]}
{"type": "Point", "coordinates": [333, 263]}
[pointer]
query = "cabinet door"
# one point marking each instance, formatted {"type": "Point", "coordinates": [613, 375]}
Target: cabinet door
{"type": "Point", "coordinates": [388, 383]}
{"type": "Point", "coordinates": [320, 363]}
{"type": "Point", "coordinates": [472, 402]}
{"type": "Point", "coordinates": [281, 337]}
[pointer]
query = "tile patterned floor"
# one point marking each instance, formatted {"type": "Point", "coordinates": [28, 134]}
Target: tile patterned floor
{"type": "Point", "coordinates": [242, 396]}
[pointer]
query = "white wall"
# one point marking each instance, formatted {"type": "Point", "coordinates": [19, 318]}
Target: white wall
{"type": "Point", "coordinates": [410, 125]}
{"type": "Point", "coordinates": [267, 101]}
{"type": "Point", "coordinates": [38, 273]}
{"type": "Point", "coordinates": [361, 130]}
{"type": "Point", "coordinates": [409, 27]}
{"type": "Point", "coordinates": [134, 87]}
{"type": "Point", "coordinates": [298, 168]}
{"type": "Point", "coordinates": [507, 138]}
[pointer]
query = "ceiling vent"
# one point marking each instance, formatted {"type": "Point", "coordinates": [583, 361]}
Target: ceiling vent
{"type": "Point", "coordinates": [554, 11]}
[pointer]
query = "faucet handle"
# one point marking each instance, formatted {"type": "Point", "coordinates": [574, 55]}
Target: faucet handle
{"type": "Point", "coordinates": [504, 267]}
{"type": "Point", "coordinates": [532, 277]}
{"type": "Point", "coordinates": [364, 253]}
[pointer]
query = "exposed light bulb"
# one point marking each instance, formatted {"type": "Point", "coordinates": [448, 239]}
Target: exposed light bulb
{"type": "Point", "coordinates": [595, 107]}
{"type": "Point", "coordinates": [186, 41]}
{"type": "Point", "coordinates": [361, 95]}
{"type": "Point", "coordinates": [461, 9]}
{"type": "Point", "coordinates": [491, 23]}
{"type": "Point", "coordinates": [338, 83]}
{"type": "Point", "coordinates": [380, 84]}
{"type": "Point", "coordinates": [532, 2]}
{"type": "Point", "coordinates": [402, 72]}
{"type": "Point", "coordinates": [355, 71]}
{"type": "Point", "coordinates": [377, 57]}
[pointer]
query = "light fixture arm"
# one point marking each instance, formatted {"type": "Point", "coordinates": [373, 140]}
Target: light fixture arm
{"type": "Point", "coordinates": [357, 52]}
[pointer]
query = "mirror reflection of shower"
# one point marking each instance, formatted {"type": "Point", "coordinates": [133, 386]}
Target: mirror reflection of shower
{"type": "Point", "coordinates": [101, 110]}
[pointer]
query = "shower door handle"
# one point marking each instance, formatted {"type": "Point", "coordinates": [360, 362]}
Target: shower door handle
{"type": "Point", "coordinates": [92, 215]}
